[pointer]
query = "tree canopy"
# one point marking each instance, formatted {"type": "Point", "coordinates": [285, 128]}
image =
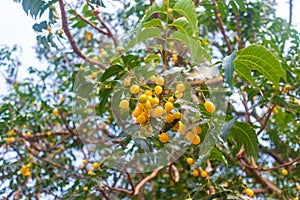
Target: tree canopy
{"type": "Point", "coordinates": [173, 99]}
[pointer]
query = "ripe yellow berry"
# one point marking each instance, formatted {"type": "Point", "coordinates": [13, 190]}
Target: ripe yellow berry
{"type": "Point", "coordinates": [190, 161]}
{"type": "Point", "coordinates": [10, 140]}
{"type": "Point", "coordinates": [177, 115]}
{"type": "Point", "coordinates": [148, 104]}
{"type": "Point", "coordinates": [134, 89]}
{"type": "Point", "coordinates": [118, 49]}
{"type": "Point", "coordinates": [160, 81]}
{"type": "Point", "coordinates": [219, 14]}
{"type": "Point", "coordinates": [195, 172]}
{"type": "Point", "coordinates": [171, 99]}
{"type": "Point", "coordinates": [84, 161]}
{"type": "Point", "coordinates": [154, 101]}
{"type": "Point", "coordinates": [49, 133]}
{"type": "Point", "coordinates": [141, 119]}
{"type": "Point", "coordinates": [178, 95]}
{"type": "Point", "coordinates": [93, 75]}
{"type": "Point", "coordinates": [140, 106]}
{"type": "Point", "coordinates": [209, 107]}
{"type": "Point", "coordinates": [298, 187]}
{"type": "Point", "coordinates": [148, 93]}
{"type": "Point", "coordinates": [169, 106]}
{"type": "Point", "coordinates": [61, 31]}
{"type": "Point", "coordinates": [95, 165]}
{"type": "Point", "coordinates": [287, 87]}
{"type": "Point", "coordinates": [196, 140]}
{"type": "Point", "coordinates": [297, 102]}
{"type": "Point", "coordinates": [249, 192]}
{"type": "Point", "coordinates": [174, 58]}
{"type": "Point", "coordinates": [90, 172]}
{"type": "Point", "coordinates": [204, 173]}
{"type": "Point", "coordinates": [170, 10]}
{"type": "Point", "coordinates": [180, 87]}
{"type": "Point", "coordinates": [137, 112]}
{"type": "Point", "coordinates": [28, 134]}
{"type": "Point", "coordinates": [142, 98]}
{"type": "Point", "coordinates": [275, 111]}
{"type": "Point", "coordinates": [164, 137]}
{"type": "Point", "coordinates": [85, 188]}
{"type": "Point", "coordinates": [153, 78]}
{"type": "Point", "coordinates": [55, 113]}
{"type": "Point", "coordinates": [169, 118]}
{"type": "Point", "coordinates": [189, 136]}
{"type": "Point", "coordinates": [126, 81]}
{"type": "Point", "coordinates": [124, 104]}
{"type": "Point", "coordinates": [157, 112]}
{"type": "Point", "coordinates": [238, 39]}
{"type": "Point", "coordinates": [284, 172]}
{"type": "Point", "coordinates": [62, 99]}
{"type": "Point", "coordinates": [196, 130]}
{"type": "Point", "coordinates": [158, 89]}
{"type": "Point", "coordinates": [181, 128]}
{"type": "Point", "coordinates": [49, 28]}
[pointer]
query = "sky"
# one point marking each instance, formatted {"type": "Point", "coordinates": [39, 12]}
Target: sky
{"type": "Point", "coordinates": [16, 28]}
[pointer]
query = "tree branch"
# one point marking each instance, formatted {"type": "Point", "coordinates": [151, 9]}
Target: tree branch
{"type": "Point", "coordinates": [71, 39]}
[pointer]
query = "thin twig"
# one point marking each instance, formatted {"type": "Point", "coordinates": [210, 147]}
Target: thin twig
{"type": "Point", "coordinates": [71, 39]}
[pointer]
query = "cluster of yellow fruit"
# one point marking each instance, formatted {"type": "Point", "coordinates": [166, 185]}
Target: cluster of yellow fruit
{"type": "Point", "coordinates": [158, 102]}
{"type": "Point", "coordinates": [195, 172]}
{"type": "Point", "coordinates": [25, 170]}
{"type": "Point", "coordinates": [95, 166]}
{"type": "Point", "coordinates": [154, 102]}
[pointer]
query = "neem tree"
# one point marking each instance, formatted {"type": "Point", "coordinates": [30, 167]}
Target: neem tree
{"type": "Point", "coordinates": [157, 100]}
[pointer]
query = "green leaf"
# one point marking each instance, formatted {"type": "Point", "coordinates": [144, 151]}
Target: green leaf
{"type": "Point", "coordinates": [39, 27]}
{"type": "Point", "coordinates": [153, 9]}
{"type": "Point", "coordinates": [183, 24]}
{"type": "Point", "coordinates": [187, 9]}
{"type": "Point", "coordinates": [152, 57]}
{"type": "Point", "coordinates": [244, 135]}
{"type": "Point", "coordinates": [259, 58]}
{"type": "Point", "coordinates": [228, 68]}
{"type": "Point", "coordinates": [111, 72]}
{"type": "Point", "coordinates": [153, 22]}
{"type": "Point", "coordinates": [33, 7]}
{"type": "Point", "coordinates": [144, 34]}
{"type": "Point", "coordinates": [216, 154]}
{"type": "Point", "coordinates": [197, 51]}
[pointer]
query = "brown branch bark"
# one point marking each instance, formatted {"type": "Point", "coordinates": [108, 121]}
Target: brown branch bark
{"type": "Point", "coordinates": [221, 26]}
{"type": "Point", "coordinates": [71, 39]}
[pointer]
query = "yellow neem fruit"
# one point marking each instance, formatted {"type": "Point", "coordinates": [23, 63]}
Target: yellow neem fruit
{"type": "Point", "coordinates": [275, 111]}
{"type": "Point", "coordinates": [197, 130]}
{"type": "Point", "coordinates": [204, 174]}
{"type": "Point", "coordinates": [181, 128]}
{"type": "Point", "coordinates": [249, 192]}
{"type": "Point", "coordinates": [178, 95]}
{"type": "Point", "coordinates": [180, 87]}
{"type": "Point", "coordinates": [158, 89]}
{"type": "Point", "coordinates": [28, 134]}
{"type": "Point", "coordinates": [164, 137]}
{"type": "Point", "coordinates": [284, 172]}
{"type": "Point", "coordinates": [141, 106]}
{"type": "Point", "coordinates": [10, 140]}
{"type": "Point", "coordinates": [137, 112]}
{"type": "Point", "coordinates": [297, 102]}
{"type": "Point", "coordinates": [84, 161]}
{"type": "Point", "coordinates": [298, 187]}
{"type": "Point", "coordinates": [287, 87]}
{"type": "Point", "coordinates": [90, 172]}
{"type": "Point", "coordinates": [95, 165]}
{"type": "Point", "coordinates": [85, 188]}
{"type": "Point", "coordinates": [134, 89]}
{"type": "Point", "coordinates": [190, 161]}
{"type": "Point", "coordinates": [160, 81]}
{"type": "Point", "coordinates": [153, 78]}
{"type": "Point", "coordinates": [143, 98]}
{"type": "Point", "coordinates": [170, 10]}
{"type": "Point", "coordinates": [190, 136]}
{"type": "Point", "coordinates": [195, 172]}
{"type": "Point", "coordinates": [55, 113]}
{"type": "Point", "coordinates": [148, 104]}
{"type": "Point", "coordinates": [118, 48]}
{"type": "Point", "coordinates": [49, 133]}
{"type": "Point", "coordinates": [141, 119]}
{"type": "Point", "coordinates": [124, 104]}
{"type": "Point", "coordinates": [196, 140]}
{"type": "Point", "coordinates": [154, 101]}
{"type": "Point", "coordinates": [157, 112]}
{"type": "Point", "coordinates": [127, 81]}
{"type": "Point", "coordinates": [169, 118]}
{"type": "Point", "coordinates": [171, 99]}
{"type": "Point", "coordinates": [174, 58]}
{"type": "Point", "coordinates": [62, 99]}
{"type": "Point", "coordinates": [93, 75]}
{"type": "Point", "coordinates": [169, 106]}
{"type": "Point", "coordinates": [177, 115]}
{"type": "Point", "coordinates": [209, 107]}
{"type": "Point", "coordinates": [148, 93]}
